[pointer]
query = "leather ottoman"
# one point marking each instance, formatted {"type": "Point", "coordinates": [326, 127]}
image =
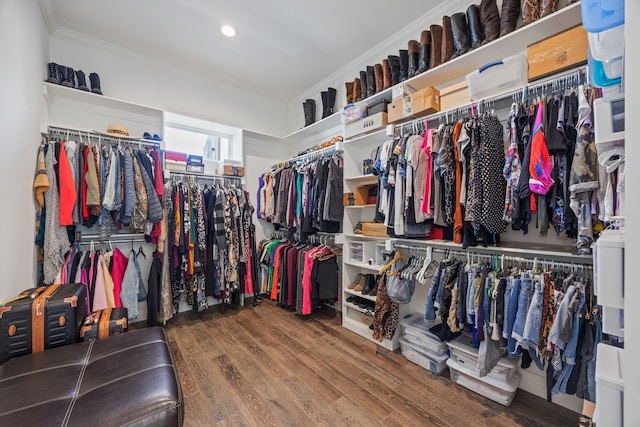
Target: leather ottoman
{"type": "Point", "coordinates": [128, 379]}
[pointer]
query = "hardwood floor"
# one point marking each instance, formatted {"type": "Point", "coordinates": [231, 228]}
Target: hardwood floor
{"type": "Point", "coordinates": [266, 366]}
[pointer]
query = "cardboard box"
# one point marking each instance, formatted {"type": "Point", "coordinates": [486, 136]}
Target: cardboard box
{"type": "Point", "coordinates": [367, 125]}
{"type": "Point", "coordinates": [424, 102]}
{"type": "Point", "coordinates": [395, 111]}
{"type": "Point", "coordinates": [454, 96]}
{"type": "Point", "coordinates": [233, 170]}
{"type": "Point", "coordinates": [374, 229]}
{"type": "Point", "coordinates": [401, 90]}
{"type": "Point", "coordinates": [358, 197]}
{"type": "Point", "coordinates": [556, 53]}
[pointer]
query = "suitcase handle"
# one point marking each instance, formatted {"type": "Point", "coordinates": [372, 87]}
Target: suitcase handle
{"type": "Point", "coordinates": [490, 64]}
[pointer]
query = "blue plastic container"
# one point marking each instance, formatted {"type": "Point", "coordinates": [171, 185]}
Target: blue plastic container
{"type": "Point", "coordinates": [601, 15]}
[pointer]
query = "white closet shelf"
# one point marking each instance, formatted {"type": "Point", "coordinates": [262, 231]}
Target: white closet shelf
{"type": "Point", "coordinates": [363, 330]}
{"type": "Point", "coordinates": [363, 178]}
{"type": "Point", "coordinates": [358, 294]}
{"type": "Point", "coordinates": [367, 137]}
{"type": "Point", "coordinates": [52, 91]}
{"type": "Point", "coordinates": [363, 265]}
{"type": "Point", "coordinates": [373, 205]}
{"type": "Point", "coordinates": [313, 129]}
{"type": "Point", "coordinates": [362, 236]}
{"type": "Point", "coordinates": [354, 307]}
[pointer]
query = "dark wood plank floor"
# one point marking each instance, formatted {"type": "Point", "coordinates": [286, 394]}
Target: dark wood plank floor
{"type": "Point", "coordinates": [257, 366]}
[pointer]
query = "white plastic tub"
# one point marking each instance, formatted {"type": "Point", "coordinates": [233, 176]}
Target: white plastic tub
{"type": "Point", "coordinates": [431, 362]}
{"type": "Point", "coordinates": [416, 331]}
{"type": "Point", "coordinates": [466, 355]}
{"type": "Point", "coordinates": [499, 391]}
{"type": "Point", "coordinates": [498, 77]}
{"type": "Point", "coordinates": [609, 386]}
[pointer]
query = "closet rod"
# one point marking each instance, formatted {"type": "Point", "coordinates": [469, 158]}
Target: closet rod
{"type": "Point", "coordinates": [197, 176]}
{"type": "Point", "coordinates": [312, 155]}
{"type": "Point", "coordinates": [118, 237]}
{"type": "Point", "coordinates": [502, 257]}
{"type": "Point", "coordinates": [564, 80]}
{"type": "Point", "coordinates": [513, 252]}
{"type": "Point", "coordinates": [92, 134]}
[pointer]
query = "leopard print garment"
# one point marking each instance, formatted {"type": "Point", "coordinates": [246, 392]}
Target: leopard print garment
{"type": "Point", "coordinates": [386, 315]}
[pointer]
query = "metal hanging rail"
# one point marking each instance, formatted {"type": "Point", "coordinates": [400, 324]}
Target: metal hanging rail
{"type": "Point", "coordinates": [114, 238]}
{"type": "Point", "coordinates": [66, 132]}
{"type": "Point", "coordinates": [314, 155]}
{"type": "Point", "coordinates": [472, 254]}
{"type": "Point", "coordinates": [202, 177]}
{"type": "Point", "coordinates": [562, 81]}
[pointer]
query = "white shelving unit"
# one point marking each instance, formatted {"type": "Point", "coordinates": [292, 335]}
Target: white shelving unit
{"type": "Point", "coordinates": [358, 148]}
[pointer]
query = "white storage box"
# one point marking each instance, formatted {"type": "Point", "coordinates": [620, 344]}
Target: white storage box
{"type": "Point", "coordinates": [498, 77]}
{"type": "Point", "coordinates": [613, 321]}
{"type": "Point", "coordinates": [609, 386]}
{"type": "Point", "coordinates": [362, 252]}
{"type": "Point", "coordinates": [491, 388]}
{"type": "Point", "coordinates": [463, 352]}
{"type": "Point", "coordinates": [416, 331]}
{"type": "Point", "coordinates": [608, 260]}
{"type": "Point", "coordinates": [431, 362]}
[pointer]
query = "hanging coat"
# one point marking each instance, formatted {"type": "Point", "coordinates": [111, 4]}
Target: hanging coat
{"type": "Point", "coordinates": [540, 166]}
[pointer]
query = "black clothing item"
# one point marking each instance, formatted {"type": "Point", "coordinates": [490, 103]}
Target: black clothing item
{"type": "Point", "coordinates": [153, 292]}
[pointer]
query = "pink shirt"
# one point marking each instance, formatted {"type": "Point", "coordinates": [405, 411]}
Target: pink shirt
{"type": "Point", "coordinates": [427, 143]}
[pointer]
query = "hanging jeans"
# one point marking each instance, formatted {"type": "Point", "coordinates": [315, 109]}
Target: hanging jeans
{"type": "Point", "coordinates": [524, 300]}
{"type": "Point", "coordinates": [570, 350]}
{"type": "Point", "coordinates": [511, 319]}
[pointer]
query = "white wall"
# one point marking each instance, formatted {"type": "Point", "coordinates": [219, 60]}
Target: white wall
{"type": "Point", "coordinates": [24, 51]}
{"type": "Point", "coordinates": [163, 84]}
{"type": "Point", "coordinates": [632, 196]}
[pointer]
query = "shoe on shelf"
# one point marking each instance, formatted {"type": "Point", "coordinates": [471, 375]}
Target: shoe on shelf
{"type": "Point", "coordinates": [374, 290]}
{"type": "Point", "coordinates": [358, 228]}
{"type": "Point", "coordinates": [356, 281]}
{"type": "Point", "coordinates": [368, 284]}
{"type": "Point", "coordinates": [360, 285]}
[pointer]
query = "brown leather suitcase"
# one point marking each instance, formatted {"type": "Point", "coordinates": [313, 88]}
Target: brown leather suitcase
{"type": "Point", "coordinates": [42, 318]}
{"type": "Point", "coordinates": [104, 323]}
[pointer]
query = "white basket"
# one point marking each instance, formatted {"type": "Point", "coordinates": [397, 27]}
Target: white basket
{"type": "Point", "coordinates": [498, 77]}
{"type": "Point", "coordinates": [491, 388]}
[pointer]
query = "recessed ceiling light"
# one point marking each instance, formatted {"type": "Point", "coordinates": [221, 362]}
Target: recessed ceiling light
{"type": "Point", "coordinates": [228, 30]}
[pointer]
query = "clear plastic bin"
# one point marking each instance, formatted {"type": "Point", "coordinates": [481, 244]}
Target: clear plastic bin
{"type": "Point", "coordinates": [607, 45]}
{"type": "Point", "coordinates": [435, 364]}
{"type": "Point", "coordinates": [498, 77]}
{"type": "Point", "coordinates": [416, 331]}
{"type": "Point", "coordinates": [600, 15]}
{"type": "Point", "coordinates": [463, 352]}
{"type": "Point", "coordinates": [499, 391]}
{"type": "Point", "coordinates": [609, 386]}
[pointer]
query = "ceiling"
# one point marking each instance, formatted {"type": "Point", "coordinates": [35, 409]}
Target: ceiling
{"type": "Point", "coordinates": [282, 47]}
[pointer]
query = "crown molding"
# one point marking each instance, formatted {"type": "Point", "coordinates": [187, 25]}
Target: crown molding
{"type": "Point", "coordinates": [49, 15]}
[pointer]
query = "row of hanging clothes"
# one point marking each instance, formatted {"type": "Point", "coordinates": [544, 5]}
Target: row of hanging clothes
{"type": "Point", "coordinates": [113, 278]}
{"type": "Point", "coordinates": [545, 313]}
{"type": "Point", "coordinates": [299, 275]}
{"type": "Point", "coordinates": [211, 249]}
{"type": "Point", "coordinates": [94, 180]}
{"type": "Point", "coordinates": [305, 193]}
{"type": "Point", "coordinates": [455, 182]}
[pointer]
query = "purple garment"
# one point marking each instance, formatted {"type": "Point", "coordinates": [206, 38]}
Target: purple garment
{"type": "Point", "coordinates": [260, 185]}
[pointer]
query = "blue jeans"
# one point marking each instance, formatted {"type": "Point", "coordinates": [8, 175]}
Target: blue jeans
{"type": "Point", "coordinates": [561, 318]}
{"type": "Point", "coordinates": [511, 319]}
{"type": "Point", "coordinates": [524, 300]}
{"type": "Point", "coordinates": [570, 351]}
{"type": "Point", "coordinates": [430, 312]}
{"type": "Point", "coordinates": [533, 323]}
{"type": "Point", "coordinates": [507, 297]}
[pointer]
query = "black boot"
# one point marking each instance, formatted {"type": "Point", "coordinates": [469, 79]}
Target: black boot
{"type": "Point", "coordinates": [328, 101]}
{"type": "Point", "coordinates": [309, 107]}
{"type": "Point", "coordinates": [460, 32]}
{"type": "Point", "coordinates": [414, 56]}
{"type": "Point", "coordinates": [425, 52]}
{"type": "Point", "coordinates": [404, 64]}
{"type": "Point", "coordinates": [369, 282]}
{"type": "Point", "coordinates": [363, 84]}
{"type": "Point", "coordinates": [95, 83]}
{"type": "Point", "coordinates": [82, 81]}
{"type": "Point", "coordinates": [371, 81]}
{"type": "Point", "coordinates": [62, 70]}
{"type": "Point", "coordinates": [475, 26]}
{"type": "Point", "coordinates": [53, 73]}
{"type": "Point", "coordinates": [394, 64]}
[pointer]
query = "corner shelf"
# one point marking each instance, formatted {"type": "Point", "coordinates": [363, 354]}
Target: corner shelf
{"type": "Point", "coordinates": [366, 136]}
{"type": "Point", "coordinates": [363, 237]}
{"type": "Point", "coordinates": [373, 205]}
{"type": "Point", "coordinates": [362, 265]}
{"type": "Point", "coordinates": [363, 179]}
{"type": "Point", "coordinates": [314, 129]}
{"type": "Point", "coordinates": [359, 294]}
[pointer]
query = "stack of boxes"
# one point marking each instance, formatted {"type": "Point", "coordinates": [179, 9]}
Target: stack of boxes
{"type": "Point", "coordinates": [408, 103]}
{"type": "Point", "coordinates": [174, 161]}
{"type": "Point", "coordinates": [499, 385]}
{"type": "Point", "coordinates": [422, 347]}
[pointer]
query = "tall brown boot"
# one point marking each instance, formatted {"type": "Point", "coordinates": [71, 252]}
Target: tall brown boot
{"type": "Point", "coordinates": [447, 40]}
{"type": "Point", "coordinates": [530, 11]}
{"type": "Point", "coordinates": [414, 56]}
{"type": "Point", "coordinates": [436, 45]}
{"type": "Point", "coordinates": [377, 72]}
{"type": "Point", "coordinates": [490, 18]}
{"type": "Point", "coordinates": [509, 16]}
{"type": "Point", "coordinates": [386, 74]}
{"type": "Point", "coordinates": [547, 7]}
{"type": "Point", "coordinates": [425, 51]}
{"type": "Point", "coordinates": [357, 90]}
{"type": "Point", "coordinates": [349, 87]}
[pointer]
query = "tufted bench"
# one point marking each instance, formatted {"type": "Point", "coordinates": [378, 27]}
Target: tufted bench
{"type": "Point", "coordinates": [124, 380]}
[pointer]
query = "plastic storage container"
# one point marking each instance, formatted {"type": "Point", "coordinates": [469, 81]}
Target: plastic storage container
{"type": "Point", "coordinates": [601, 15]}
{"type": "Point", "coordinates": [609, 386]}
{"type": "Point", "coordinates": [463, 352]}
{"type": "Point", "coordinates": [498, 77]}
{"type": "Point", "coordinates": [431, 362]}
{"type": "Point", "coordinates": [416, 331]}
{"type": "Point", "coordinates": [491, 388]}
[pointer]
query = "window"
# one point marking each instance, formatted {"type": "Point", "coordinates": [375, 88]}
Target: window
{"type": "Point", "coordinates": [210, 140]}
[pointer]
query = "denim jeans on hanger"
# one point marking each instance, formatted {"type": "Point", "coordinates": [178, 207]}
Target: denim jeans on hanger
{"type": "Point", "coordinates": [430, 313]}
{"type": "Point", "coordinates": [561, 318]}
{"type": "Point", "coordinates": [569, 355]}
{"type": "Point", "coordinates": [524, 300]}
{"type": "Point", "coordinates": [591, 366]}
{"type": "Point", "coordinates": [513, 311]}
{"type": "Point", "coordinates": [531, 334]}
{"type": "Point", "coordinates": [507, 297]}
